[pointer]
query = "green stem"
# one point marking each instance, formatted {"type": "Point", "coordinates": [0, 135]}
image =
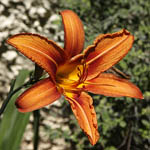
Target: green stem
{"type": "Point", "coordinates": [37, 74]}
{"type": "Point", "coordinates": [12, 92]}
{"type": "Point", "coordinates": [36, 125]}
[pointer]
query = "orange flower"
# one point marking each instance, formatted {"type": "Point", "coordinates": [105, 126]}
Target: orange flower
{"type": "Point", "coordinates": [73, 72]}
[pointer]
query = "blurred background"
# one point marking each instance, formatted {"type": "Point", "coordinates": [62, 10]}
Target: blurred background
{"type": "Point", "coordinates": [124, 123]}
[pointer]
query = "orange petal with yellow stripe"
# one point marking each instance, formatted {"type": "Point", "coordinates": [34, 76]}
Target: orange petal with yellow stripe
{"type": "Point", "coordinates": [108, 49]}
{"type": "Point", "coordinates": [42, 51]}
{"type": "Point", "coordinates": [82, 107]}
{"type": "Point", "coordinates": [111, 85]}
{"type": "Point", "coordinates": [74, 33]}
{"type": "Point", "coordinates": [39, 95]}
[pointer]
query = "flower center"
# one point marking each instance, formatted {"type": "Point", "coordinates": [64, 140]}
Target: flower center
{"type": "Point", "coordinates": [69, 76]}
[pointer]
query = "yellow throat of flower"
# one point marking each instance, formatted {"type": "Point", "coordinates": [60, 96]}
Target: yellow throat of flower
{"type": "Point", "coordinates": [70, 76]}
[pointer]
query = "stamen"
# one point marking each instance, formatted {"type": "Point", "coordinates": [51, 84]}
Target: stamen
{"type": "Point", "coordinates": [82, 74]}
{"type": "Point", "coordinates": [79, 74]}
{"type": "Point", "coordinates": [86, 74]}
{"type": "Point", "coordinates": [73, 82]}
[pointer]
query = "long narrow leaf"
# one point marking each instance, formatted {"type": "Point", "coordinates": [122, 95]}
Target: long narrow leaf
{"type": "Point", "coordinates": [13, 123]}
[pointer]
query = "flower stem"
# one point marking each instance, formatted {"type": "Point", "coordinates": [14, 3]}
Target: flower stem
{"type": "Point", "coordinates": [37, 74]}
{"type": "Point", "coordinates": [12, 92]}
{"type": "Point", "coordinates": [36, 125]}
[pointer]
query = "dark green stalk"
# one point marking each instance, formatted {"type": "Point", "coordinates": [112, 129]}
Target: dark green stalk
{"type": "Point", "coordinates": [37, 74]}
{"type": "Point", "coordinates": [12, 92]}
{"type": "Point", "coordinates": [36, 125]}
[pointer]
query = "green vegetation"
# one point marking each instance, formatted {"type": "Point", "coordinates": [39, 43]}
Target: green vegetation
{"type": "Point", "coordinates": [124, 123]}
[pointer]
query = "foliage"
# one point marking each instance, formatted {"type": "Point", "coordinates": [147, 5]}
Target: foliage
{"type": "Point", "coordinates": [13, 124]}
{"type": "Point", "coordinates": [123, 122]}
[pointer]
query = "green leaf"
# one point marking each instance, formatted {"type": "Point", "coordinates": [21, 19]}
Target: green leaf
{"type": "Point", "coordinates": [13, 123]}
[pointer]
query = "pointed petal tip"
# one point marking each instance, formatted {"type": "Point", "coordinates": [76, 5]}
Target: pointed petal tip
{"type": "Point", "coordinates": [125, 31]}
{"type": "Point", "coordinates": [94, 141]}
{"type": "Point", "coordinates": [17, 106]}
{"type": "Point", "coordinates": [83, 109]}
{"type": "Point", "coordinates": [20, 109]}
{"type": "Point", "coordinates": [140, 96]}
{"type": "Point", "coordinates": [137, 93]}
{"type": "Point", "coordinates": [40, 94]}
{"type": "Point", "coordinates": [74, 33]}
{"type": "Point", "coordinates": [111, 85]}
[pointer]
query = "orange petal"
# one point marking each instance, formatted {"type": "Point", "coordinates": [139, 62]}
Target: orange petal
{"type": "Point", "coordinates": [83, 109]}
{"type": "Point", "coordinates": [107, 50]}
{"type": "Point", "coordinates": [39, 95]}
{"type": "Point", "coordinates": [74, 33]}
{"type": "Point", "coordinates": [39, 49]}
{"type": "Point", "coordinates": [111, 85]}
